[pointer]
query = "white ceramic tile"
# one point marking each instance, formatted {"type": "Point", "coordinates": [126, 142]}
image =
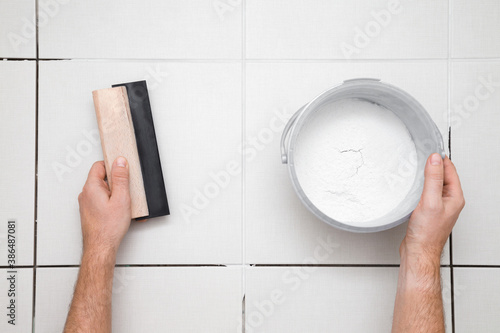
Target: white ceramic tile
{"type": "Point", "coordinates": [17, 293]}
{"type": "Point", "coordinates": [17, 24]}
{"type": "Point", "coordinates": [148, 29]}
{"type": "Point", "coordinates": [475, 119]}
{"type": "Point", "coordinates": [279, 229]}
{"type": "Point", "coordinates": [474, 28]}
{"type": "Point", "coordinates": [150, 299]}
{"type": "Point", "coordinates": [17, 157]}
{"type": "Point", "coordinates": [365, 29]}
{"type": "Point", "coordinates": [197, 113]}
{"type": "Point", "coordinates": [326, 299]}
{"type": "Point", "coordinates": [477, 292]}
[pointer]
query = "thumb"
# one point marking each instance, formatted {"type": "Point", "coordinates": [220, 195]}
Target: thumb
{"type": "Point", "coordinates": [433, 184]}
{"type": "Point", "coordinates": [120, 180]}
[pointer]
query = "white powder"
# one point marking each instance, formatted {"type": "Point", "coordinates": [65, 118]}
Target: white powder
{"type": "Point", "coordinates": [347, 157]}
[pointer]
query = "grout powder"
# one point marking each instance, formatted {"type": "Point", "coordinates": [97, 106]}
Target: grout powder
{"type": "Point", "coordinates": [349, 158]}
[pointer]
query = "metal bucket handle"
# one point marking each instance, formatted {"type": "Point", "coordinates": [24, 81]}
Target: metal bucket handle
{"type": "Point", "coordinates": [286, 130]}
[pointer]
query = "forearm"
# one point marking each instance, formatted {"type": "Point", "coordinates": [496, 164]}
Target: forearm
{"type": "Point", "coordinates": [419, 304]}
{"type": "Point", "coordinates": [90, 309]}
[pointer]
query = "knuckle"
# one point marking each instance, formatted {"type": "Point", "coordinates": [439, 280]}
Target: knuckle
{"type": "Point", "coordinates": [120, 177]}
{"type": "Point", "coordinates": [120, 173]}
{"type": "Point", "coordinates": [85, 189]}
{"type": "Point", "coordinates": [121, 203]}
{"type": "Point", "coordinates": [433, 206]}
{"type": "Point", "coordinates": [436, 178]}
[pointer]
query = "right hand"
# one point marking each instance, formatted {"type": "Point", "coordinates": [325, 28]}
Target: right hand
{"type": "Point", "coordinates": [437, 212]}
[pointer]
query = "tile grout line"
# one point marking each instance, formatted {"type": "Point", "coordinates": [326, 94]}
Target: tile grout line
{"type": "Point", "coordinates": [249, 265]}
{"type": "Point", "coordinates": [243, 163]}
{"type": "Point", "coordinates": [254, 60]}
{"type": "Point", "coordinates": [36, 173]}
{"type": "Point", "coordinates": [450, 32]}
{"type": "Point", "coordinates": [300, 61]}
{"type": "Point", "coordinates": [17, 59]}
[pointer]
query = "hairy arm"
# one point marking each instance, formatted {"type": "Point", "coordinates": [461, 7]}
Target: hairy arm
{"type": "Point", "coordinates": [105, 218]}
{"type": "Point", "coordinates": [419, 304]}
{"type": "Point", "coordinates": [90, 309]}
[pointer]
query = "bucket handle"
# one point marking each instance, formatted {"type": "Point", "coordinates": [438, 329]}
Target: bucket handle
{"type": "Point", "coordinates": [286, 130]}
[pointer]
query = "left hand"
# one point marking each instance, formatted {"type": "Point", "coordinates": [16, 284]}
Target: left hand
{"type": "Point", "coordinates": [105, 214]}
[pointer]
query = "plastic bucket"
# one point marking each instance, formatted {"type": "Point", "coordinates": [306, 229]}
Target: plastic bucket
{"type": "Point", "coordinates": [423, 130]}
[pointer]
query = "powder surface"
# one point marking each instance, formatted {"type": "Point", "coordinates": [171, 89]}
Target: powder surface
{"type": "Point", "coordinates": [352, 159]}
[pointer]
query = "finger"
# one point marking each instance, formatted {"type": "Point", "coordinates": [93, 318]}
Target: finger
{"type": "Point", "coordinates": [143, 220]}
{"type": "Point", "coordinates": [96, 176]}
{"type": "Point", "coordinates": [120, 180]}
{"type": "Point", "coordinates": [452, 186]}
{"type": "Point", "coordinates": [97, 171]}
{"type": "Point", "coordinates": [434, 177]}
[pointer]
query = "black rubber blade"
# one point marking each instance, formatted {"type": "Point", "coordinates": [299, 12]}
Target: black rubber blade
{"type": "Point", "coordinates": [145, 136]}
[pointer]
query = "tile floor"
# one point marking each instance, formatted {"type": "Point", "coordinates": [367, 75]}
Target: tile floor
{"type": "Point", "coordinates": [223, 75]}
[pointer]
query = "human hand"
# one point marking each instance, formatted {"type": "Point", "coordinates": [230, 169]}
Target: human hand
{"type": "Point", "coordinates": [437, 212]}
{"type": "Point", "coordinates": [105, 215]}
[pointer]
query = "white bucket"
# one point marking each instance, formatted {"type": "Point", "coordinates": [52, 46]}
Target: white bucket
{"type": "Point", "coordinates": [421, 127]}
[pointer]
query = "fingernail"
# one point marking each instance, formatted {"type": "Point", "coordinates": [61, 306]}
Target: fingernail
{"type": "Point", "coordinates": [435, 159]}
{"type": "Point", "coordinates": [121, 162]}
